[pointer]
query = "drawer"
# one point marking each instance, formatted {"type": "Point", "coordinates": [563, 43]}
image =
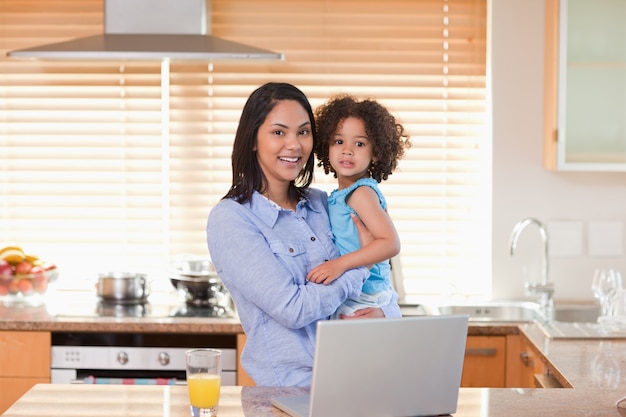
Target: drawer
{"type": "Point", "coordinates": [25, 354]}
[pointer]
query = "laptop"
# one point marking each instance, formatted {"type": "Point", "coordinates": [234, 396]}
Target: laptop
{"type": "Point", "coordinates": [388, 367]}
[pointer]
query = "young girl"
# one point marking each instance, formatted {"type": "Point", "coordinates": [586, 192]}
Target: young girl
{"type": "Point", "coordinates": [360, 143]}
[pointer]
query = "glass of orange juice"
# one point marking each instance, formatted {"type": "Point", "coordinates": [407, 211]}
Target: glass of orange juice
{"type": "Point", "coordinates": [204, 369]}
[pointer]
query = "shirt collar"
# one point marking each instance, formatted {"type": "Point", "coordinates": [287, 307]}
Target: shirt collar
{"type": "Point", "coordinates": [268, 211]}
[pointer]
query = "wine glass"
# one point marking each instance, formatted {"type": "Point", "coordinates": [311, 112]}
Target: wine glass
{"type": "Point", "coordinates": [605, 284]}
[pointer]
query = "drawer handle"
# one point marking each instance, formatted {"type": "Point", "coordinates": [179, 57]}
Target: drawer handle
{"type": "Point", "coordinates": [481, 351]}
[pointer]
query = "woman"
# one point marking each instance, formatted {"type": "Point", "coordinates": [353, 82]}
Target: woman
{"type": "Point", "coordinates": [269, 230]}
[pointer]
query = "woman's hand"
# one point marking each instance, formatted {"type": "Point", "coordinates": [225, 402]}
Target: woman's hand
{"type": "Point", "coordinates": [364, 313]}
{"type": "Point", "coordinates": [365, 237]}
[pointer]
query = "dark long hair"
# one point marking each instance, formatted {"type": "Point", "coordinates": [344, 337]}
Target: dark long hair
{"type": "Point", "coordinates": [247, 174]}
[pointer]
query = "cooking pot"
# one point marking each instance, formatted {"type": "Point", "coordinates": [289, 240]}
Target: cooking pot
{"type": "Point", "coordinates": [195, 276]}
{"type": "Point", "coordinates": [123, 287]}
{"type": "Point", "coordinates": [202, 290]}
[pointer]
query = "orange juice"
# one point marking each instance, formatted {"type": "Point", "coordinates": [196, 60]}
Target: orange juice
{"type": "Point", "coordinates": [204, 390]}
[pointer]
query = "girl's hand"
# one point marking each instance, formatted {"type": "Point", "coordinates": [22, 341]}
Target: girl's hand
{"type": "Point", "coordinates": [325, 273]}
{"type": "Point", "coordinates": [364, 313]}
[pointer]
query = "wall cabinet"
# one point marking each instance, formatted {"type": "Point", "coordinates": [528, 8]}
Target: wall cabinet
{"type": "Point", "coordinates": [25, 362]}
{"type": "Point", "coordinates": [585, 85]}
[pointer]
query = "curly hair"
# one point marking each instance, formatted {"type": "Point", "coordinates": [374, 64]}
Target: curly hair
{"type": "Point", "coordinates": [387, 136]}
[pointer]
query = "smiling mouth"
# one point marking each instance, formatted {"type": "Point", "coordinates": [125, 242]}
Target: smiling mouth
{"type": "Point", "coordinates": [291, 160]}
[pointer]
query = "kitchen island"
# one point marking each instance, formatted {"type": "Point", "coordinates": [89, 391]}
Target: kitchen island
{"type": "Point", "coordinates": [595, 369]}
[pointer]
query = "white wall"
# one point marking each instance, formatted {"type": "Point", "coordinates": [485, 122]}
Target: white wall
{"type": "Point", "coordinates": [521, 186]}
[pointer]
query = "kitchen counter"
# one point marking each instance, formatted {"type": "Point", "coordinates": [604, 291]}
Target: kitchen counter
{"type": "Point", "coordinates": [79, 312]}
{"type": "Point", "coordinates": [45, 400]}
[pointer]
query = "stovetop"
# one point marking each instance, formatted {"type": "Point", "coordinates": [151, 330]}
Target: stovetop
{"type": "Point", "coordinates": [157, 306]}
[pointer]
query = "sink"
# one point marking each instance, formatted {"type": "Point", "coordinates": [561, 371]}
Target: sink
{"type": "Point", "coordinates": [522, 311]}
{"type": "Point", "coordinates": [569, 321]}
{"type": "Point", "coordinates": [501, 311]}
{"type": "Point", "coordinates": [576, 313]}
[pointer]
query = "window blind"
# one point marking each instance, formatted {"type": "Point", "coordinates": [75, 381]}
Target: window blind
{"type": "Point", "coordinates": [91, 180]}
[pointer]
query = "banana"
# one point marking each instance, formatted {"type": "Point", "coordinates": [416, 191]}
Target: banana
{"type": "Point", "coordinates": [12, 254]}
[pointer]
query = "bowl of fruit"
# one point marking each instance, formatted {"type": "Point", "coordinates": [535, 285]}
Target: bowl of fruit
{"type": "Point", "coordinates": [24, 277]}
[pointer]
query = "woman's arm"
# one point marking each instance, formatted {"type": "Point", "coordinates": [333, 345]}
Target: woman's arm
{"type": "Point", "coordinates": [385, 244]}
{"type": "Point", "coordinates": [264, 267]}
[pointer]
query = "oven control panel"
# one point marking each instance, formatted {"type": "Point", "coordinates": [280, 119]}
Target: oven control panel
{"type": "Point", "coordinates": [127, 358]}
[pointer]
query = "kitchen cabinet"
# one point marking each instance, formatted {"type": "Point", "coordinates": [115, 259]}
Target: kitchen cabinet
{"type": "Point", "coordinates": [522, 363]}
{"type": "Point", "coordinates": [504, 361]}
{"type": "Point", "coordinates": [25, 362]}
{"type": "Point", "coordinates": [485, 362]}
{"type": "Point", "coordinates": [525, 367]}
{"type": "Point", "coordinates": [242, 376]}
{"type": "Point", "coordinates": [584, 82]}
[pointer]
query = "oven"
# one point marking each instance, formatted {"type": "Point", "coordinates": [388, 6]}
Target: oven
{"type": "Point", "coordinates": [137, 358]}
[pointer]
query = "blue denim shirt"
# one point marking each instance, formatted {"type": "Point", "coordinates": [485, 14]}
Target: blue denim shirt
{"type": "Point", "coordinates": [262, 253]}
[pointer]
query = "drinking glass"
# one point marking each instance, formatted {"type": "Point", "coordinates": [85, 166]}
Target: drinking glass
{"type": "Point", "coordinates": [605, 368]}
{"type": "Point", "coordinates": [203, 380]}
{"type": "Point", "coordinates": [605, 284]}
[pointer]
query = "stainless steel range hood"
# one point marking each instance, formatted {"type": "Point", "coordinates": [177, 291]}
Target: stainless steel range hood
{"type": "Point", "coordinates": [151, 30]}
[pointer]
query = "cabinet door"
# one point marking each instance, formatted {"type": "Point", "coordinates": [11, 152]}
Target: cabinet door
{"type": "Point", "coordinates": [26, 362]}
{"type": "Point", "coordinates": [12, 389]}
{"type": "Point", "coordinates": [242, 376]}
{"type": "Point", "coordinates": [585, 80]}
{"type": "Point", "coordinates": [522, 363]}
{"type": "Point", "coordinates": [26, 354]}
{"type": "Point", "coordinates": [484, 365]}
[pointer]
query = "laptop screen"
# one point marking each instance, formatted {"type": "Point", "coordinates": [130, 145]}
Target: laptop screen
{"type": "Point", "coordinates": [408, 366]}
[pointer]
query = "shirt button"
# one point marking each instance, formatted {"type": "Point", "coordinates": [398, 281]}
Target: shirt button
{"type": "Point", "coordinates": [290, 250]}
{"type": "Point", "coordinates": [312, 238]}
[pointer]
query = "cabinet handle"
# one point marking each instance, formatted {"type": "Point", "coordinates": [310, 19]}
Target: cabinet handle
{"type": "Point", "coordinates": [527, 359]}
{"type": "Point", "coordinates": [481, 351]}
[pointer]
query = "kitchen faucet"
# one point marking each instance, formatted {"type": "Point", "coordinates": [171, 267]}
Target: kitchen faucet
{"type": "Point", "coordinates": [544, 288]}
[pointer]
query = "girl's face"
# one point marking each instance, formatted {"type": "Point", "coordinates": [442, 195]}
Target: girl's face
{"type": "Point", "coordinates": [350, 152]}
{"type": "Point", "coordinates": [284, 143]}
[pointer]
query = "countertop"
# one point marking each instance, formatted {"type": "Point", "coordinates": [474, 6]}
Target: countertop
{"type": "Point", "coordinates": [81, 312]}
{"type": "Point", "coordinates": [46, 400]}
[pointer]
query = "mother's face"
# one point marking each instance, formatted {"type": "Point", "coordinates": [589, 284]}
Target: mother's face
{"type": "Point", "coordinates": [284, 142]}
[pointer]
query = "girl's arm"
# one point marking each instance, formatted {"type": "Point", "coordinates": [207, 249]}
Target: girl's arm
{"type": "Point", "coordinates": [386, 244]}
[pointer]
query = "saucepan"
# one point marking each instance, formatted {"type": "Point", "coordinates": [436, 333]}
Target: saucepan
{"type": "Point", "coordinates": [196, 278]}
{"type": "Point", "coordinates": [123, 287]}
